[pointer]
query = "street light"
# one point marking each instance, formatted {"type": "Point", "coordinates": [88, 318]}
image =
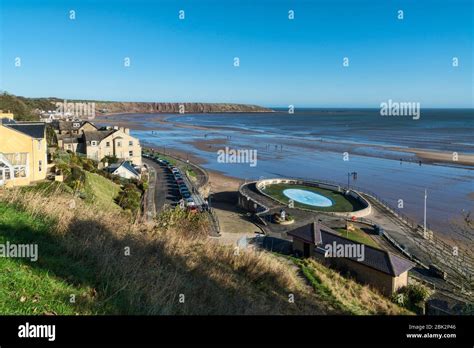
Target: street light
{"type": "Point", "coordinates": [354, 174]}
{"type": "Point", "coordinates": [209, 201]}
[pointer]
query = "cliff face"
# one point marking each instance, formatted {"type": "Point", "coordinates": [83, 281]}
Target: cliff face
{"type": "Point", "coordinates": [139, 107]}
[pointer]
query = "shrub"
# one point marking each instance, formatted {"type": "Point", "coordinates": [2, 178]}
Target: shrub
{"type": "Point", "coordinates": [412, 297]}
{"type": "Point", "coordinates": [130, 198]}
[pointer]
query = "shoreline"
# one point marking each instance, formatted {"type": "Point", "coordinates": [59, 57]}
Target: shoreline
{"type": "Point", "coordinates": [426, 156]}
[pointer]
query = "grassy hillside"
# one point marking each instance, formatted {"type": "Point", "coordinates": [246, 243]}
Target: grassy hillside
{"type": "Point", "coordinates": [102, 192]}
{"type": "Point", "coordinates": [40, 287]}
{"type": "Point", "coordinates": [24, 108]}
{"type": "Point", "coordinates": [344, 294]}
{"type": "Point", "coordinates": [167, 267]}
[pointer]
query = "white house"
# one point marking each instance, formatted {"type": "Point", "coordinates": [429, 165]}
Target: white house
{"type": "Point", "coordinates": [124, 169]}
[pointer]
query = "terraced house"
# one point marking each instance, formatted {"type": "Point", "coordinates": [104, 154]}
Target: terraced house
{"type": "Point", "coordinates": [70, 134]}
{"type": "Point", "coordinates": [23, 151]}
{"type": "Point", "coordinates": [113, 142]}
{"type": "Point", "coordinates": [96, 143]}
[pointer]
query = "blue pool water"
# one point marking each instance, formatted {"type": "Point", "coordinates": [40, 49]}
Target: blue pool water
{"type": "Point", "coordinates": [307, 197]}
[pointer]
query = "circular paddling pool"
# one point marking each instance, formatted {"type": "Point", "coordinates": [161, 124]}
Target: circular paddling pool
{"type": "Point", "coordinates": [308, 197]}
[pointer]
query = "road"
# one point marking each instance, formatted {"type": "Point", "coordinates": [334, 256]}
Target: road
{"type": "Point", "coordinates": [170, 190]}
{"type": "Point", "coordinates": [165, 189]}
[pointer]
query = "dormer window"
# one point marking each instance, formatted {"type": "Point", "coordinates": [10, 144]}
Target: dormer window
{"type": "Point", "coordinates": [76, 124]}
{"type": "Point", "coordinates": [93, 143]}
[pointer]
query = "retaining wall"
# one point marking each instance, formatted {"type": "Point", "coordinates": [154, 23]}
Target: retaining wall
{"type": "Point", "coordinates": [359, 213]}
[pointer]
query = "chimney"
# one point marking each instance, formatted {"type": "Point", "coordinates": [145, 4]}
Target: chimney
{"type": "Point", "coordinates": [316, 233]}
{"type": "Point", "coordinates": [127, 131]}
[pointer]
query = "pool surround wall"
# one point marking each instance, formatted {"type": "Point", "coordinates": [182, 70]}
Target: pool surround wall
{"type": "Point", "coordinates": [354, 194]}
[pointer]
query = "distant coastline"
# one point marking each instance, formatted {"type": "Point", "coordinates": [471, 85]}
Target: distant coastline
{"type": "Point", "coordinates": [112, 108]}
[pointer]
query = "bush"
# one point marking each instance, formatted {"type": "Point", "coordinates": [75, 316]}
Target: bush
{"type": "Point", "coordinates": [130, 198]}
{"type": "Point", "coordinates": [109, 159]}
{"type": "Point", "coordinates": [412, 297]}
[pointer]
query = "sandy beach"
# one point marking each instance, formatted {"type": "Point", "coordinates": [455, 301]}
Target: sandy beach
{"type": "Point", "coordinates": [440, 157]}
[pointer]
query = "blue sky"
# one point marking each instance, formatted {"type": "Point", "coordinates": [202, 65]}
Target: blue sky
{"type": "Point", "coordinates": [282, 62]}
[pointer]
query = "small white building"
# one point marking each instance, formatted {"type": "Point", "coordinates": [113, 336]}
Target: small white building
{"type": "Point", "coordinates": [124, 169]}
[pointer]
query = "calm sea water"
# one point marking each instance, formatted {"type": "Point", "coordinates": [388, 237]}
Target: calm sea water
{"type": "Point", "coordinates": [291, 146]}
{"type": "Point", "coordinates": [447, 130]}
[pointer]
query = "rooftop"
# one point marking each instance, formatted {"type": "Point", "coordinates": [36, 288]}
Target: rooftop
{"type": "Point", "coordinates": [98, 135]}
{"type": "Point", "coordinates": [381, 260]}
{"type": "Point", "coordinates": [32, 129]}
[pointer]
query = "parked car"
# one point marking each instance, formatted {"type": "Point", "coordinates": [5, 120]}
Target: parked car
{"type": "Point", "coordinates": [186, 195]}
{"type": "Point", "coordinates": [193, 209]}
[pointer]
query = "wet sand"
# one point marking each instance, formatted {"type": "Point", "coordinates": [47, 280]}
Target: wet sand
{"type": "Point", "coordinates": [208, 145]}
{"type": "Point", "coordinates": [162, 123]}
{"type": "Point", "coordinates": [440, 157]}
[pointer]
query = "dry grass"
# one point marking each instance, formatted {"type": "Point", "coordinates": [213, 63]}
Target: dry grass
{"type": "Point", "coordinates": [166, 262]}
{"type": "Point", "coordinates": [173, 257]}
{"type": "Point", "coordinates": [349, 295]}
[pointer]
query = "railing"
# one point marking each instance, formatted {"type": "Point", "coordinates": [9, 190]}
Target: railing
{"type": "Point", "coordinates": [185, 161]}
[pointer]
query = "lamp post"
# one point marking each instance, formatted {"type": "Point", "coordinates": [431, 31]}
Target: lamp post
{"type": "Point", "coordinates": [424, 217]}
{"type": "Point", "coordinates": [354, 174]}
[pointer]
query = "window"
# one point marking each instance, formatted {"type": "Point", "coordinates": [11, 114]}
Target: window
{"type": "Point", "coordinates": [130, 143]}
{"type": "Point", "coordinates": [5, 169]}
{"type": "Point", "coordinates": [19, 172]}
{"type": "Point", "coordinates": [93, 143]}
{"type": "Point", "coordinates": [16, 165]}
{"type": "Point", "coordinates": [40, 165]}
{"type": "Point", "coordinates": [130, 153]}
{"type": "Point", "coordinates": [119, 144]}
{"type": "Point", "coordinates": [107, 144]}
{"type": "Point", "coordinates": [39, 144]}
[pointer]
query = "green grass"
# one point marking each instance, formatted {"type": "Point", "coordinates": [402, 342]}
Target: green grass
{"type": "Point", "coordinates": [171, 160]}
{"type": "Point", "coordinates": [102, 192]}
{"type": "Point", "coordinates": [358, 235]}
{"type": "Point", "coordinates": [191, 173]}
{"type": "Point", "coordinates": [341, 203]}
{"type": "Point", "coordinates": [44, 286]}
{"type": "Point", "coordinates": [318, 286]}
